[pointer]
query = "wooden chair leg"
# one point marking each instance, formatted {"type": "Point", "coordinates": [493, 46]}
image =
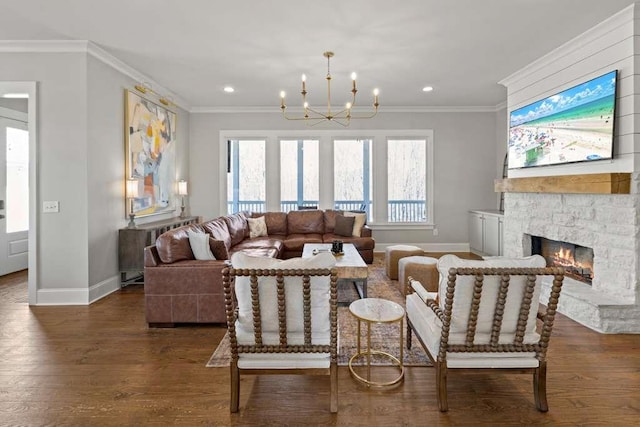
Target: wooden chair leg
{"type": "Point", "coordinates": [441, 385]}
{"type": "Point", "coordinates": [235, 387]}
{"type": "Point", "coordinates": [540, 387]}
{"type": "Point", "coordinates": [333, 372]}
{"type": "Point", "coordinates": [408, 335]}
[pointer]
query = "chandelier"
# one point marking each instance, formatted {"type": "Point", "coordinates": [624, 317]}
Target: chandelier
{"type": "Point", "coordinates": [343, 117]}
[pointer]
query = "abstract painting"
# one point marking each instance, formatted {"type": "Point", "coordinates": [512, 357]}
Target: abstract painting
{"type": "Point", "coordinates": [150, 136]}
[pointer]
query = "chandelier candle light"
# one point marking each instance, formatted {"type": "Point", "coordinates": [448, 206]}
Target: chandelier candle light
{"type": "Point", "coordinates": [343, 117]}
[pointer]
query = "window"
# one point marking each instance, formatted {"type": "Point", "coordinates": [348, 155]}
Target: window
{"type": "Point", "coordinates": [406, 180]}
{"type": "Point", "coordinates": [387, 173]}
{"type": "Point", "coordinates": [352, 174]}
{"type": "Point", "coordinates": [17, 203]}
{"type": "Point", "coordinates": [299, 174]}
{"type": "Point", "coordinates": [246, 173]}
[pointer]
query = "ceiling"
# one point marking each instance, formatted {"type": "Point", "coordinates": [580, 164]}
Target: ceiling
{"type": "Point", "coordinates": [195, 47]}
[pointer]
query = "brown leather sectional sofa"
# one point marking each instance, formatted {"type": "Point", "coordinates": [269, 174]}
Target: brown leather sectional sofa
{"type": "Point", "coordinates": [181, 289]}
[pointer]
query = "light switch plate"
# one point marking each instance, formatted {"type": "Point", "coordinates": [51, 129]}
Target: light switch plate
{"type": "Point", "coordinates": [51, 207]}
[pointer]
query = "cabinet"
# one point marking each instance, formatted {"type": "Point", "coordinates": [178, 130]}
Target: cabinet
{"type": "Point", "coordinates": [485, 232]}
{"type": "Point", "coordinates": [132, 241]}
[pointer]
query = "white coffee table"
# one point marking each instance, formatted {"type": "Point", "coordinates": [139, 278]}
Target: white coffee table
{"type": "Point", "coordinates": [350, 266]}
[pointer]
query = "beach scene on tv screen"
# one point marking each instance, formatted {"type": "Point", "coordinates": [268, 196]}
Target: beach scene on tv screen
{"type": "Point", "coordinates": [575, 125]}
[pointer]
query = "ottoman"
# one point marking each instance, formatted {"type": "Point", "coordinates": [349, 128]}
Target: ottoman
{"type": "Point", "coordinates": [424, 269]}
{"type": "Point", "coordinates": [394, 253]}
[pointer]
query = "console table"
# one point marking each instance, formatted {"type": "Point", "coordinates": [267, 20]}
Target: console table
{"type": "Point", "coordinates": [132, 241]}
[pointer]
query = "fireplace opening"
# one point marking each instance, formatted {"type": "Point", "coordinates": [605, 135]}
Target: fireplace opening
{"type": "Point", "coordinates": [577, 260]}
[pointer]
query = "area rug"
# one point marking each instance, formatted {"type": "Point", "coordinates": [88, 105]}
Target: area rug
{"type": "Point", "coordinates": [384, 337]}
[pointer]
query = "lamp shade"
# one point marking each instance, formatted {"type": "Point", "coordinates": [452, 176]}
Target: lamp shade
{"type": "Point", "coordinates": [182, 188]}
{"type": "Point", "coordinates": [132, 188]}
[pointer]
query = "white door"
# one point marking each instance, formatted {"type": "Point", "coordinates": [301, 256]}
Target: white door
{"type": "Point", "coordinates": [14, 195]}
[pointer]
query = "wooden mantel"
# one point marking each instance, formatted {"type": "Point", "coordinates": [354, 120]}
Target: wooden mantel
{"type": "Point", "coordinates": [597, 183]}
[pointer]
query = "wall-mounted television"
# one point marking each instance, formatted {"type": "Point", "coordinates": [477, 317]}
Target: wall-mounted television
{"type": "Point", "coordinates": [575, 125]}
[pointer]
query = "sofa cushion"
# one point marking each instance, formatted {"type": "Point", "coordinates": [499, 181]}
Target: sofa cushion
{"type": "Point", "coordinates": [293, 293]}
{"type": "Point", "coordinates": [305, 222]}
{"type": "Point", "coordinates": [274, 242]}
{"type": "Point", "coordinates": [238, 227]}
{"type": "Point", "coordinates": [330, 220]}
{"type": "Point", "coordinates": [218, 229]}
{"type": "Point", "coordinates": [295, 242]}
{"type": "Point", "coordinates": [344, 225]}
{"type": "Point", "coordinates": [276, 222]}
{"type": "Point", "coordinates": [465, 287]}
{"type": "Point", "coordinates": [173, 245]}
{"type": "Point", "coordinates": [257, 252]}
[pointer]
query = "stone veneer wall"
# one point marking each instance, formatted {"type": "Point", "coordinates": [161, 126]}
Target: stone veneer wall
{"type": "Point", "coordinates": [608, 224]}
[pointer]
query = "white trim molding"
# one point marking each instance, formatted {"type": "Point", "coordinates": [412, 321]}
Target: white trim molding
{"type": "Point", "coordinates": [275, 109]}
{"type": "Point", "coordinates": [78, 296]}
{"type": "Point", "coordinates": [90, 48]}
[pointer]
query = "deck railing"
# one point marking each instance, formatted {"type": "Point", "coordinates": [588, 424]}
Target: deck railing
{"type": "Point", "coordinates": [397, 210]}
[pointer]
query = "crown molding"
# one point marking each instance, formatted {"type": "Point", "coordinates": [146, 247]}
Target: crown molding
{"type": "Point", "coordinates": [621, 18]}
{"type": "Point", "coordinates": [381, 110]}
{"type": "Point", "coordinates": [90, 48]}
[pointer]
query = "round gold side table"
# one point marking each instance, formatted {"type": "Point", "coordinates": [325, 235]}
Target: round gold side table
{"type": "Point", "coordinates": [376, 310]}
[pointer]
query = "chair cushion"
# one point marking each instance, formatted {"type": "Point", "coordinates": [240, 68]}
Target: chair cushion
{"type": "Point", "coordinates": [293, 295]}
{"type": "Point", "coordinates": [464, 293]}
{"type": "Point", "coordinates": [429, 327]}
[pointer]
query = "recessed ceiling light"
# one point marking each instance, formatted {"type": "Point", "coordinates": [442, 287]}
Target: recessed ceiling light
{"type": "Point", "coordinates": [16, 95]}
{"type": "Point", "coordinates": [228, 89]}
{"type": "Point", "coordinates": [427, 89]}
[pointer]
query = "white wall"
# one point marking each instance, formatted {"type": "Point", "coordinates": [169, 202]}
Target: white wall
{"type": "Point", "coordinates": [80, 164]}
{"type": "Point", "coordinates": [464, 162]}
{"type": "Point", "coordinates": [106, 166]}
{"type": "Point", "coordinates": [62, 155]}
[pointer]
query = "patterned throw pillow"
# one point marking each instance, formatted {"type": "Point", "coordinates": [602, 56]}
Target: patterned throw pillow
{"type": "Point", "coordinates": [257, 227]}
{"type": "Point", "coordinates": [344, 226]}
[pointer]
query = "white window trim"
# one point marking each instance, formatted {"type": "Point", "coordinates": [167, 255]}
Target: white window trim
{"type": "Point", "coordinates": [379, 140]}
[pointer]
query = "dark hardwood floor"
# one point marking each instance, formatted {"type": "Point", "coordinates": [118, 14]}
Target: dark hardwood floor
{"type": "Point", "coordinates": [100, 365]}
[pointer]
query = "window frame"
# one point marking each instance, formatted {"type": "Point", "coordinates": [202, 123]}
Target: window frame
{"type": "Point", "coordinates": [379, 142]}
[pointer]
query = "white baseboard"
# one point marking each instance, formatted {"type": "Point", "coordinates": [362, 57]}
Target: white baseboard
{"type": "Point", "coordinates": [77, 296]}
{"type": "Point", "coordinates": [428, 247]}
{"type": "Point", "coordinates": [104, 288]}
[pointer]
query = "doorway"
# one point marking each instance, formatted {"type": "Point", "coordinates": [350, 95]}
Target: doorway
{"type": "Point", "coordinates": [14, 191]}
{"type": "Point", "coordinates": [19, 131]}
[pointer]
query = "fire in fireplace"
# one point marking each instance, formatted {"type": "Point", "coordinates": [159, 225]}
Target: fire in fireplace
{"type": "Point", "coordinates": [577, 260]}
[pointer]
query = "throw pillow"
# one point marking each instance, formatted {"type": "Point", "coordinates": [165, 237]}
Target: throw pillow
{"type": "Point", "coordinates": [200, 245]}
{"type": "Point", "coordinates": [218, 248]}
{"type": "Point", "coordinates": [358, 223]}
{"type": "Point", "coordinates": [257, 227]}
{"type": "Point", "coordinates": [344, 225]}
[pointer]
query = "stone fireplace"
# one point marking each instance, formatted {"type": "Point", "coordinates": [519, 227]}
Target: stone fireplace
{"type": "Point", "coordinates": [609, 225]}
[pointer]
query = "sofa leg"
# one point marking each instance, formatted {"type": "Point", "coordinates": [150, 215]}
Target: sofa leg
{"type": "Point", "coordinates": [162, 325]}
